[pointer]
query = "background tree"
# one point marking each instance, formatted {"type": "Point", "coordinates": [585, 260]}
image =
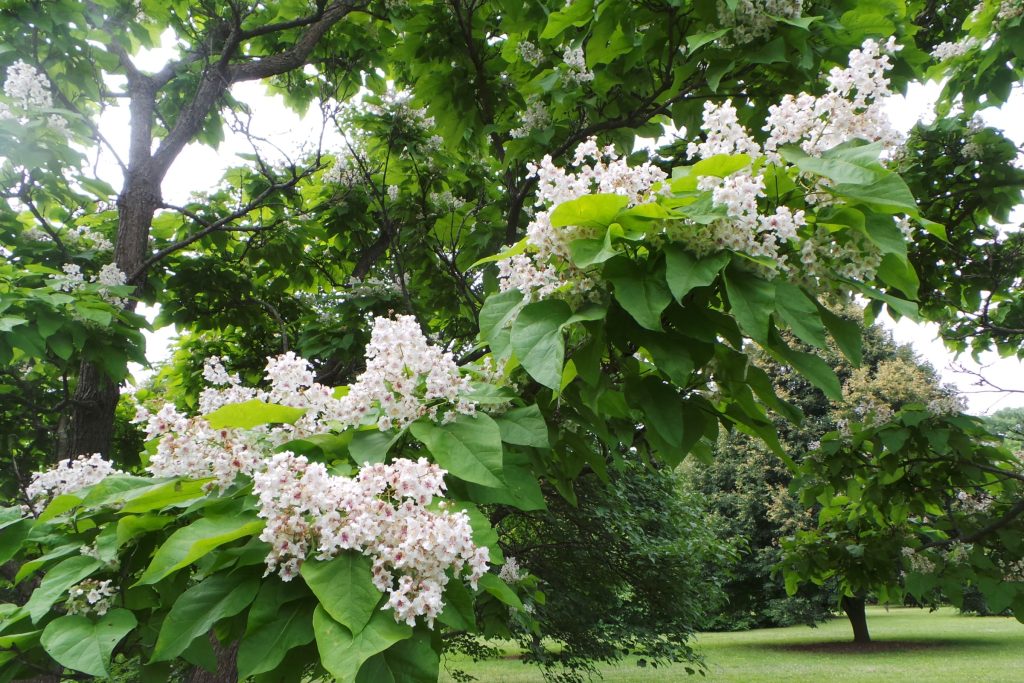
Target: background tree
{"type": "Point", "coordinates": [633, 570]}
{"type": "Point", "coordinates": [753, 489]}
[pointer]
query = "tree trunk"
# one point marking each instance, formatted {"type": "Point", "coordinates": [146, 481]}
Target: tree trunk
{"type": "Point", "coordinates": [92, 414]}
{"type": "Point", "coordinates": [854, 608]}
{"type": "Point", "coordinates": [96, 395]}
{"type": "Point", "coordinates": [227, 665]}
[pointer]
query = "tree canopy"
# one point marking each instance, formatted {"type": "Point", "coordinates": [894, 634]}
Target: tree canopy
{"type": "Point", "coordinates": [487, 298]}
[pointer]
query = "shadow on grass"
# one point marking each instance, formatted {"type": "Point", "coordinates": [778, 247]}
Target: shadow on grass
{"type": "Point", "coordinates": [874, 647]}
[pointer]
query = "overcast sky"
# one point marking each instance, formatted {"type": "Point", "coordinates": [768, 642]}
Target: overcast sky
{"type": "Point", "coordinates": [200, 167]}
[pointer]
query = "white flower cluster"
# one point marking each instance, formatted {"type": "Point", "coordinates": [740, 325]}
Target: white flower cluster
{"type": "Point", "coordinates": [530, 53]}
{"type": "Point", "coordinates": [445, 201]}
{"type": "Point", "coordinates": [949, 403]}
{"type": "Point", "coordinates": [381, 513]}
{"type": "Point", "coordinates": [1010, 9]}
{"type": "Point", "coordinates": [546, 269]}
{"type": "Point", "coordinates": [109, 276]}
{"type": "Point", "coordinates": [190, 447]}
{"type": "Point", "coordinates": [91, 597]}
{"type": "Point", "coordinates": [948, 50]}
{"type": "Point", "coordinates": [405, 379]}
{"type": "Point", "coordinates": [534, 118]}
{"type": "Point", "coordinates": [67, 476]}
{"type": "Point", "coordinates": [29, 91]}
{"type": "Point", "coordinates": [78, 236]}
{"type": "Point", "coordinates": [753, 19]}
{"type": "Point", "coordinates": [71, 280]}
{"type": "Point", "coordinates": [724, 134]}
{"type": "Point", "coordinates": [344, 172]}
{"type": "Point", "coordinates": [852, 107]}
{"type": "Point", "coordinates": [371, 287]}
{"type": "Point", "coordinates": [922, 564]}
{"type": "Point", "coordinates": [576, 71]}
{"type": "Point", "coordinates": [396, 106]}
{"type": "Point", "coordinates": [511, 572]}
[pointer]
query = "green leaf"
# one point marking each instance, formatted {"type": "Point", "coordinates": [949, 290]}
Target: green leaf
{"type": "Point", "coordinates": [899, 273]}
{"type": "Point", "coordinates": [799, 22]}
{"type": "Point", "coordinates": [800, 312]}
{"type": "Point", "coordinates": [537, 340]}
{"type": "Point", "coordinates": [589, 211]}
{"type": "Point", "coordinates": [816, 370]}
{"type": "Point", "coordinates": [846, 333]}
{"type": "Point", "coordinates": [458, 612]}
{"type": "Point", "coordinates": [521, 487]}
{"type": "Point", "coordinates": [588, 252]}
{"type": "Point", "coordinates": [164, 494]}
{"type": "Point", "coordinates": [883, 231]}
{"type": "Point", "coordinates": [516, 249]}
{"type": "Point", "coordinates": [57, 581]}
{"type": "Point", "coordinates": [642, 293]}
{"type": "Point", "coordinates": [685, 272]}
{"type": "Point", "coordinates": [77, 642]}
{"type": "Point", "coordinates": [662, 408]}
{"type": "Point", "coordinates": [854, 165]}
{"type": "Point", "coordinates": [9, 322]}
{"type": "Point", "coordinates": [344, 587]}
{"type": "Point", "coordinates": [372, 446]}
{"type": "Point", "coordinates": [524, 426]}
{"type": "Point", "coordinates": [752, 300]}
{"type": "Point", "coordinates": [188, 544]}
{"type": "Point", "coordinates": [251, 414]}
{"type": "Point", "coordinates": [408, 661]}
{"type": "Point", "coordinates": [130, 526]}
{"type": "Point", "coordinates": [343, 654]}
{"type": "Point", "coordinates": [701, 39]}
{"type": "Point", "coordinates": [888, 193]}
{"type": "Point", "coordinates": [469, 448]}
{"type": "Point", "coordinates": [12, 537]}
{"type": "Point", "coordinates": [265, 647]}
{"type": "Point", "coordinates": [497, 313]}
{"type": "Point", "coordinates": [577, 13]}
{"type": "Point", "coordinates": [499, 589]}
{"type": "Point", "coordinates": [196, 610]}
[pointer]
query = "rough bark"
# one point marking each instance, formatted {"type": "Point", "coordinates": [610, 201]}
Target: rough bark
{"type": "Point", "coordinates": [854, 608]}
{"type": "Point", "coordinates": [227, 667]}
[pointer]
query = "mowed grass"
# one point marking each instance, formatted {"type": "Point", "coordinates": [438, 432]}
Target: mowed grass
{"type": "Point", "coordinates": [910, 645]}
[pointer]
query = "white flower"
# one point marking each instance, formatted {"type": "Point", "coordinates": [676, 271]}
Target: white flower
{"type": "Point", "coordinates": [545, 268]}
{"type": "Point", "coordinates": [947, 50]}
{"type": "Point", "coordinates": [530, 53]}
{"type": "Point", "coordinates": [381, 513]}
{"type": "Point", "coordinates": [71, 280]}
{"type": "Point", "coordinates": [91, 597]}
{"type": "Point", "coordinates": [30, 91]}
{"type": "Point", "coordinates": [67, 476]}
{"type": "Point", "coordinates": [576, 66]}
{"type": "Point", "coordinates": [535, 117]}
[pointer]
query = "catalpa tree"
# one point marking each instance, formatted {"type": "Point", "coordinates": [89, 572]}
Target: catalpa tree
{"type": "Point", "coordinates": [287, 528]}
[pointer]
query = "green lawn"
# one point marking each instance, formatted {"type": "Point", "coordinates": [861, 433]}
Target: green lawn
{"type": "Point", "coordinates": [910, 645]}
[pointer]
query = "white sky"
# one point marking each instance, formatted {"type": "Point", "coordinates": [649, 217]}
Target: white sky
{"type": "Point", "coordinates": [199, 168]}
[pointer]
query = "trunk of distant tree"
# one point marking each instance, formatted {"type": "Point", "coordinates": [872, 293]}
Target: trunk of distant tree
{"type": "Point", "coordinates": [854, 608]}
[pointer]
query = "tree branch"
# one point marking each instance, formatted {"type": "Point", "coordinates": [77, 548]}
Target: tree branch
{"type": "Point", "coordinates": [219, 77]}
